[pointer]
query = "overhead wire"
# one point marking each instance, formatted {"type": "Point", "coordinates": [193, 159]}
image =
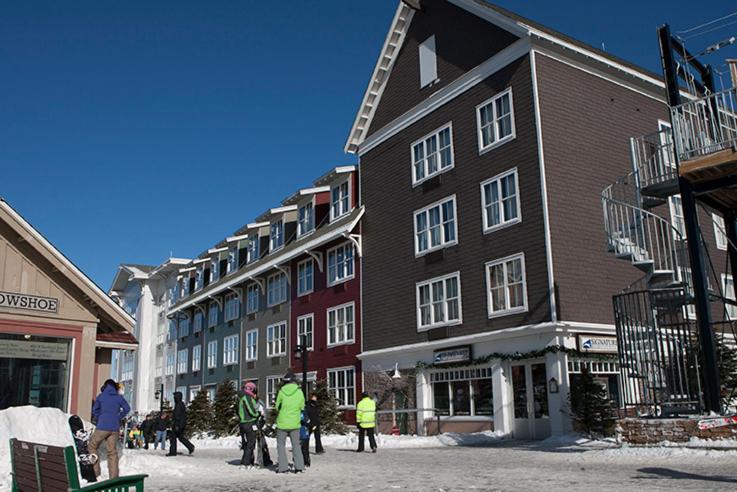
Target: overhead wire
{"type": "Point", "coordinates": [705, 24]}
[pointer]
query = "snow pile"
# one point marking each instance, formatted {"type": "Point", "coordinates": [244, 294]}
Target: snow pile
{"type": "Point", "coordinates": [577, 440]}
{"type": "Point", "coordinates": [29, 423]}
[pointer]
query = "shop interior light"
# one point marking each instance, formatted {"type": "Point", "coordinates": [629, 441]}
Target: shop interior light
{"type": "Point", "coordinates": [27, 337]}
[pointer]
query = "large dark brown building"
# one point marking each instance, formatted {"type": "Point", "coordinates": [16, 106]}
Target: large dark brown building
{"type": "Point", "coordinates": [485, 141]}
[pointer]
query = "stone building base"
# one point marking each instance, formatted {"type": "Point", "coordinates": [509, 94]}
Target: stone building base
{"type": "Point", "coordinates": [644, 432]}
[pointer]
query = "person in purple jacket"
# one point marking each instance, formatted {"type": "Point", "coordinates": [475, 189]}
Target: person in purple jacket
{"type": "Point", "coordinates": [109, 410]}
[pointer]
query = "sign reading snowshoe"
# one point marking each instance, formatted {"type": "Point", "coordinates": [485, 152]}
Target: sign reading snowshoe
{"type": "Point", "coordinates": [597, 343]}
{"type": "Point", "coordinates": [32, 303]}
{"type": "Point", "coordinates": [454, 354]}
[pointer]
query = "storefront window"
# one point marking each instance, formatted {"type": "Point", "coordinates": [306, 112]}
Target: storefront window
{"type": "Point", "coordinates": [461, 397]}
{"type": "Point", "coordinates": [463, 392]}
{"type": "Point", "coordinates": [441, 398]}
{"type": "Point", "coordinates": [519, 388]}
{"type": "Point", "coordinates": [540, 390]}
{"type": "Point", "coordinates": [483, 399]}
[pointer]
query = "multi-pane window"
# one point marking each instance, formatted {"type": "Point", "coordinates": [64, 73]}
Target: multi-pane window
{"type": "Point", "coordinates": [184, 326]}
{"type": "Point", "coordinates": [305, 277]}
{"type": "Point", "coordinates": [232, 307]}
{"type": "Point", "coordinates": [170, 356]}
{"type": "Point", "coordinates": [729, 293]}
{"type": "Point", "coordinates": [199, 277]}
{"type": "Point", "coordinates": [341, 324]}
{"type": "Point", "coordinates": [185, 286]}
{"type": "Point", "coordinates": [182, 361]}
{"type": "Point", "coordinates": [272, 388]}
{"type": "Point", "coordinates": [342, 386]}
{"type": "Point", "coordinates": [439, 301]}
{"type": "Point", "coordinates": [172, 332]}
{"type": "Point", "coordinates": [305, 328]}
{"type": "Point", "coordinates": [212, 354]}
{"type": "Point", "coordinates": [340, 200]}
{"type": "Point", "coordinates": [463, 392]}
{"type": "Point", "coordinates": [435, 226]}
{"type": "Point", "coordinates": [432, 154]}
{"type": "Point", "coordinates": [127, 369]}
{"type": "Point", "coordinates": [196, 357]}
{"type": "Point", "coordinates": [507, 292]}
{"type": "Point", "coordinates": [720, 232]}
{"type": "Point", "coordinates": [305, 219]}
{"type": "Point", "coordinates": [252, 345]}
{"type": "Point", "coordinates": [252, 250]}
{"type": "Point", "coordinates": [276, 235]}
{"type": "Point", "coordinates": [230, 350]}
{"type": "Point", "coordinates": [232, 258]}
{"type": "Point", "coordinates": [198, 322]}
{"type": "Point", "coordinates": [252, 292]}
{"type": "Point", "coordinates": [212, 314]}
{"type": "Point", "coordinates": [211, 393]}
{"type": "Point", "coordinates": [193, 390]}
{"type": "Point", "coordinates": [276, 289]}
{"type": "Point", "coordinates": [276, 339]}
{"type": "Point", "coordinates": [500, 201]}
{"type": "Point", "coordinates": [676, 215]}
{"type": "Point", "coordinates": [340, 263]}
{"type": "Point", "coordinates": [495, 120]}
{"type": "Point", "coordinates": [214, 270]}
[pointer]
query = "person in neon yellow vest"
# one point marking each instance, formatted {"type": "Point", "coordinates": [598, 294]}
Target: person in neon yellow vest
{"type": "Point", "coordinates": [366, 420]}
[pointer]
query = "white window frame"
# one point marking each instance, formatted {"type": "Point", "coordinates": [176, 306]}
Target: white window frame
{"type": "Point", "coordinates": [276, 232]}
{"type": "Point", "coordinates": [285, 290]}
{"type": "Point", "coordinates": [232, 307]}
{"type": "Point", "coordinates": [199, 279]}
{"type": "Point", "coordinates": [423, 141]}
{"type": "Point", "coordinates": [720, 231]}
{"type": "Point", "coordinates": [418, 306]}
{"type": "Point", "coordinates": [427, 56]}
{"type": "Point", "coordinates": [677, 219]}
{"type": "Point", "coordinates": [230, 350]}
{"type": "Point", "coordinates": [196, 358]}
{"type": "Point", "coordinates": [182, 361]}
{"type": "Point", "coordinates": [497, 142]}
{"type": "Point", "coordinates": [171, 363]}
{"type": "Point", "coordinates": [730, 311]}
{"type": "Point", "coordinates": [193, 390]}
{"type": "Point", "coordinates": [338, 279]}
{"type": "Point", "coordinates": [343, 210]}
{"type": "Point", "coordinates": [214, 269]}
{"type": "Point", "coordinates": [444, 243]}
{"type": "Point", "coordinates": [302, 322]}
{"type": "Point", "coordinates": [336, 391]}
{"type": "Point", "coordinates": [232, 259]}
{"type": "Point", "coordinates": [212, 354]}
{"type": "Point", "coordinates": [503, 261]}
{"type": "Point", "coordinates": [345, 340]}
{"type": "Point", "coordinates": [253, 250]}
{"type": "Point", "coordinates": [252, 289]}
{"type": "Point", "coordinates": [213, 309]}
{"type": "Point", "coordinates": [311, 287]}
{"type": "Point", "coordinates": [504, 222]}
{"type": "Point", "coordinates": [282, 341]}
{"type": "Point", "coordinates": [252, 345]}
{"type": "Point", "coordinates": [272, 389]}
{"type": "Point", "coordinates": [306, 226]}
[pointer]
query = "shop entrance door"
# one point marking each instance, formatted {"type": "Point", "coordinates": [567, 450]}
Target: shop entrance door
{"type": "Point", "coordinates": [530, 399]}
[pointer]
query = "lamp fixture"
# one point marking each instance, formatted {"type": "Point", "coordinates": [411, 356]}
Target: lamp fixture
{"type": "Point", "coordinates": [397, 374]}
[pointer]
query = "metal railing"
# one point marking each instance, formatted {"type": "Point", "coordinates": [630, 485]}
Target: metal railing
{"type": "Point", "coordinates": [705, 125]}
{"type": "Point", "coordinates": [654, 158]}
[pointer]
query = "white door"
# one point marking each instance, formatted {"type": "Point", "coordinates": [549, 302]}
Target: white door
{"type": "Point", "coordinates": [530, 400]}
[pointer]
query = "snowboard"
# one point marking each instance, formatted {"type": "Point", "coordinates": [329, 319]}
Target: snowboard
{"type": "Point", "coordinates": [717, 422]}
{"type": "Point", "coordinates": [85, 458]}
{"type": "Point", "coordinates": [263, 459]}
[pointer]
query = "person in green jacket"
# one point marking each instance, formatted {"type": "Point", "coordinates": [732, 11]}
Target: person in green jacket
{"type": "Point", "coordinates": [366, 420]}
{"type": "Point", "coordinates": [249, 414]}
{"type": "Point", "coordinates": [290, 401]}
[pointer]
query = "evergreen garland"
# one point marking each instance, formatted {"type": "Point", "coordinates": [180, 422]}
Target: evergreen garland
{"type": "Point", "coordinates": [224, 408]}
{"type": "Point", "coordinates": [533, 354]}
{"type": "Point", "coordinates": [200, 414]}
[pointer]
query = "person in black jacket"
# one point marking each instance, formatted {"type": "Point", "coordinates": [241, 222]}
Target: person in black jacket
{"type": "Point", "coordinates": [161, 425]}
{"type": "Point", "coordinates": [179, 423]}
{"type": "Point", "coordinates": [147, 429]}
{"type": "Point", "coordinates": [313, 416]}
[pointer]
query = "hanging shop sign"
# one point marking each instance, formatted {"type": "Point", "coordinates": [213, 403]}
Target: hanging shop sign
{"type": "Point", "coordinates": [600, 344]}
{"type": "Point", "coordinates": [452, 355]}
{"type": "Point", "coordinates": [28, 302]}
{"type": "Point", "coordinates": [29, 349]}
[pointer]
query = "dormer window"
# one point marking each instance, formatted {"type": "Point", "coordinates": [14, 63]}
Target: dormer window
{"type": "Point", "coordinates": [276, 236]}
{"type": "Point", "coordinates": [199, 277]}
{"type": "Point", "coordinates": [214, 270]}
{"type": "Point", "coordinates": [232, 259]}
{"type": "Point", "coordinates": [252, 250]}
{"type": "Point", "coordinates": [185, 286]}
{"type": "Point", "coordinates": [340, 200]}
{"type": "Point", "coordinates": [428, 62]}
{"type": "Point", "coordinates": [305, 219]}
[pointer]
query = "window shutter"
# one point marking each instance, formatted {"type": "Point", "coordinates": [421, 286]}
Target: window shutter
{"type": "Point", "coordinates": [428, 62]}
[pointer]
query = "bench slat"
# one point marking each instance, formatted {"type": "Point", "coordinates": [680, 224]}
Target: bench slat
{"type": "Point", "coordinates": [52, 485]}
{"type": "Point", "coordinates": [26, 483]}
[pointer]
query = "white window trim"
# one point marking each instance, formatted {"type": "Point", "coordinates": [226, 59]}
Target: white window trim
{"type": "Point", "coordinates": [337, 184]}
{"type": "Point", "coordinates": [674, 216]}
{"type": "Point", "coordinates": [286, 340]}
{"type": "Point", "coordinates": [312, 317]}
{"type": "Point", "coordinates": [183, 361]}
{"type": "Point", "coordinates": [212, 362]}
{"type": "Point", "coordinates": [731, 316]}
{"type": "Point", "coordinates": [338, 369]}
{"type": "Point", "coordinates": [486, 228]}
{"type": "Point", "coordinates": [272, 249]}
{"type": "Point", "coordinates": [327, 324]}
{"type": "Point", "coordinates": [275, 275]}
{"type": "Point", "coordinates": [311, 201]}
{"type": "Point", "coordinates": [312, 288]}
{"type": "Point", "coordinates": [247, 358]}
{"type": "Point", "coordinates": [353, 259]}
{"type": "Point", "coordinates": [209, 308]}
{"type": "Point", "coordinates": [417, 302]}
{"type": "Point", "coordinates": [258, 300]}
{"type": "Point", "coordinates": [229, 298]}
{"type": "Point", "coordinates": [276, 380]}
{"type": "Point", "coordinates": [225, 350]}
{"type": "Point", "coordinates": [506, 312]}
{"type": "Point", "coordinates": [424, 209]}
{"type": "Point", "coordinates": [440, 171]}
{"type": "Point", "coordinates": [501, 141]}
{"type": "Point", "coordinates": [198, 360]}
{"type": "Point", "coordinates": [720, 231]}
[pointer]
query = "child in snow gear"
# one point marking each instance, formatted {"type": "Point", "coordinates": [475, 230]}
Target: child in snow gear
{"type": "Point", "coordinates": [81, 438]}
{"type": "Point", "coordinates": [109, 410]}
{"type": "Point", "coordinates": [290, 401]}
{"type": "Point", "coordinates": [248, 415]}
{"type": "Point", "coordinates": [313, 416]}
{"type": "Point", "coordinates": [304, 438]}
{"type": "Point", "coordinates": [179, 423]}
{"type": "Point", "coordinates": [161, 424]}
{"type": "Point", "coordinates": [366, 420]}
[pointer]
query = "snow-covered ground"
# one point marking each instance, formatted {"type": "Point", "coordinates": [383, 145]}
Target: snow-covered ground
{"type": "Point", "coordinates": [447, 462]}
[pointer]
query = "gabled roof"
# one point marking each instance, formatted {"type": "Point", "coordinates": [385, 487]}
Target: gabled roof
{"type": "Point", "coordinates": [128, 271]}
{"type": "Point", "coordinates": [329, 176]}
{"type": "Point", "coordinates": [505, 19]}
{"type": "Point", "coordinates": [112, 316]}
{"type": "Point", "coordinates": [300, 194]}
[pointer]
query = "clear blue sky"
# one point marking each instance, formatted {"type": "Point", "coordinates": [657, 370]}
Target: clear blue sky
{"type": "Point", "coordinates": [132, 129]}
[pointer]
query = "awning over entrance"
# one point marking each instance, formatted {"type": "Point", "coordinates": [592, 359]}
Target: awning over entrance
{"type": "Point", "coordinates": [121, 340]}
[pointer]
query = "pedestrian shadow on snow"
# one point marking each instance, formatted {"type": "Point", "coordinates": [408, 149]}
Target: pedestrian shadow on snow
{"type": "Point", "coordinates": [668, 473]}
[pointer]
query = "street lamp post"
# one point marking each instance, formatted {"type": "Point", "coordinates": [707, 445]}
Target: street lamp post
{"type": "Point", "coordinates": [300, 352]}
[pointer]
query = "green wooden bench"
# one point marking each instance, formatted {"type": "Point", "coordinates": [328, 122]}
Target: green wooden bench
{"type": "Point", "coordinates": [41, 468]}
